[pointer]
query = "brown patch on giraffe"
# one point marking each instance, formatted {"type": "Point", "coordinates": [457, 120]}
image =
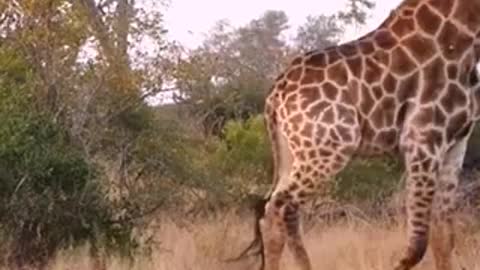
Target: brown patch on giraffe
{"type": "Point", "coordinates": [330, 91]}
{"type": "Point", "coordinates": [388, 104]}
{"type": "Point", "coordinates": [355, 66]}
{"type": "Point", "coordinates": [384, 113]}
{"type": "Point", "coordinates": [422, 49]}
{"type": "Point", "coordinates": [377, 92]}
{"type": "Point", "coordinates": [435, 139]}
{"type": "Point", "coordinates": [293, 186]}
{"type": "Point", "coordinates": [280, 85]}
{"type": "Point", "coordinates": [428, 20]}
{"type": "Point", "coordinates": [348, 49]}
{"type": "Point", "coordinates": [317, 108]}
{"type": "Point", "coordinates": [347, 114]}
{"type": "Point", "coordinates": [401, 62]}
{"type": "Point", "coordinates": [408, 87]}
{"type": "Point", "coordinates": [456, 125]}
{"type": "Point", "coordinates": [312, 154]}
{"type": "Point", "coordinates": [424, 116]}
{"type": "Point", "coordinates": [323, 152]}
{"type": "Point", "coordinates": [312, 76]}
{"type": "Point", "coordinates": [307, 130]}
{"type": "Point", "coordinates": [318, 59]}
{"type": "Point", "coordinates": [345, 97]}
{"type": "Point", "coordinates": [291, 87]}
{"type": "Point", "coordinates": [435, 71]}
{"type": "Point", "coordinates": [295, 74]}
{"type": "Point", "coordinates": [333, 56]}
{"type": "Point", "coordinates": [300, 155]}
{"type": "Point", "coordinates": [309, 94]}
{"type": "Point", "coordinates": [455, 97]}
{"type": "Point", "coordinates": [328, 116]}
{"type": "Point", "coordinates": [344, 133]}
{"type": "Point", "coordinates": [439, 117]}
{"type": "Point", "coordinates": [366, 100]}
{"type": "Point", "coordinates": [453, 43]}
{"type": "Point", "coordinates": [411, 3]}
{"type": "Point", "coordinates": [295, 140]}
{"type": "Point", "coordinates": [291, 107]}
{"type": "Point", "coordinates": [307, 143]}
{"type": "Point", "coordinates": [297, 61]}
{"type": "Point", "coordinates": [291, 104]}
{"type": "Point", "coordinates": [296, 118]}
{"type": "Point", "coordinates": [385, 40]}
{"type": "Point", "coordinates": [320, 134]}
{"type": "Point", "coordinates": [443, 6]}
{"type": "Point", "coordinates": [368, 133]}
{"type": "Point", "coordinates": [388, 137]}
{"type": "Point", "coordinates": [452, 71]}
{"type": "Point", "coordinates": [338, 73]}
{"type": "Point", "coordinates": [373, 72]}
{"type": "Point", "coordinates": [354, 91]}
{"type": "Point", "coordinates": [408, 12]}
{"type": "Point", "coordinates": [381, 57]}
{"type": "Point", "coordinates": [366, 47]}
{"type": "Point", "coordinates": [467, 13]}
{"type": "Point", "coordinates": [389, 83]}
{"type": "Point", "coordinates": [402, 27]}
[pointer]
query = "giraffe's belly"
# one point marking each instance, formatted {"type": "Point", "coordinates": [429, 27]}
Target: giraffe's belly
{"type": "Point", "coordinates": [378, 140]}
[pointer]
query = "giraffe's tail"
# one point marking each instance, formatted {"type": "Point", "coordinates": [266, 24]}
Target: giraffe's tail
{"type": "Point", "coordinates": [256, 247]}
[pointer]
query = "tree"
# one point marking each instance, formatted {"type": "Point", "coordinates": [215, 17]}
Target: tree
{"type": "Point", "coordinates": [318, 32]}
{"type": "Point", "coordinates": [229, 74]}
{"type": "Point", "coordinates": [356, 11]}
{"type": "Point", "coordinates": [83, 110]}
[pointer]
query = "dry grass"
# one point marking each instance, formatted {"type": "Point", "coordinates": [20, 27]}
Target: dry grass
{"type": "Point", "coordinates": [346, 246]}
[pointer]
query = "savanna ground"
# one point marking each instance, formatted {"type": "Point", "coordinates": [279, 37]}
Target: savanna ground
{"type": "Point", "coordinates": [350, 244]}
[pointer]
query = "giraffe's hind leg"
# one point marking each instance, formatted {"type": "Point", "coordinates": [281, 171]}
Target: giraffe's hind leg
{"type": "Point", "coordinates": [442, 235]}
{"type": "Point", "coordinates": [422, 172]}
{"type": "Point", "coordinates": [313, 167]}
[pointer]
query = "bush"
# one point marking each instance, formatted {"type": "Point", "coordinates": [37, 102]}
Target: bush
{"type": "Point", "coordinates": [245, 149]}
{"type": "Point", "coordinates": [244, 156]}
{"type": "Point", "coordinates": [369, 180]}
{"type": "Point", "coordinates": [49, 196]}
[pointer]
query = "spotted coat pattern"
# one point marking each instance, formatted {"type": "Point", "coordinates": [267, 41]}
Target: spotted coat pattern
{"type": "Point", "coordinates": [404, 89]}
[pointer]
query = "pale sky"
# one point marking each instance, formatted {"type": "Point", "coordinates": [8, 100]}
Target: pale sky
{"type": "Point", "coordinates": [188, 20]}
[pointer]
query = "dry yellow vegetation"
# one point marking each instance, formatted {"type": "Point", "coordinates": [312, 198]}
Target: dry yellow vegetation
{"type": "Point", "coordinates": [348, 245]}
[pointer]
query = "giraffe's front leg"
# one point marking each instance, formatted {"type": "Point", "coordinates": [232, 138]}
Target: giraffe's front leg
{"type": "Point", "coordinates": [443, 230]}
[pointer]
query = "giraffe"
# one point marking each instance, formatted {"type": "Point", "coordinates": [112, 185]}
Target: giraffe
{"type": "Point", "coordinates": [404, 89]}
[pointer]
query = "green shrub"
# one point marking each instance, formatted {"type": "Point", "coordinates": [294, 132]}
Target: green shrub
{"type": "Point", "coordinates": [49, 195]}
{"type": "Point", "coordinates": [367, 180]}
{"type": "Point", "coordinates": [245, 149]}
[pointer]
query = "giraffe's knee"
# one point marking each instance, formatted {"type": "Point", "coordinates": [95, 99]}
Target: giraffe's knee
{"type": "Point", "coordinates": [291, 217]}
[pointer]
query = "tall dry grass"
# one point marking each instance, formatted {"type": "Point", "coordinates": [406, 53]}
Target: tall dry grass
{"type": "Point", "coordinates": [348, 245]}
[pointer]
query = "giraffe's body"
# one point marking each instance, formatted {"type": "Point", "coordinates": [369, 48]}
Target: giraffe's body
{"type": "Point", "coordinates": [404, 89]}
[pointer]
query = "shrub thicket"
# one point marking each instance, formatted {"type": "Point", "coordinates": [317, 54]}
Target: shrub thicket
{"type": "Point", "coordinates": [49, 194]}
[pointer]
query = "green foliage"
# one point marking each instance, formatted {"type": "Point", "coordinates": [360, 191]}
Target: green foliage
{"type": "Point", "coordinates": [245, 149]}
{"type": "Point", "coordinates": [367, 180]}
{"type": "Point", "coordinates": [230, 169]}
{"type": "Point", "coordinates": [49, 196]}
